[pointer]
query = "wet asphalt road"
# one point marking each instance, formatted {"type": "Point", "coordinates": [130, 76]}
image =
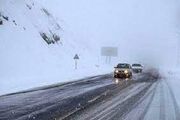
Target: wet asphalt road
{"type": "Point", "coordinates": [78, 99]}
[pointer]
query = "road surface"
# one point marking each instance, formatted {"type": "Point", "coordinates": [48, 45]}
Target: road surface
{"type": "Point", "coordinates": [145, 97]}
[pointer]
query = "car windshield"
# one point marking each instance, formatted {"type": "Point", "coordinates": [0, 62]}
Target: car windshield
{"type": "Point", "coordinates": [139, 65]}
{"type": "Point", "coordinates": [123, 66]}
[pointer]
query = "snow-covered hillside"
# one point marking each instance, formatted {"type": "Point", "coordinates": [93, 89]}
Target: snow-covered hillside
{"type": "Point", "coordinates": [35, 50]}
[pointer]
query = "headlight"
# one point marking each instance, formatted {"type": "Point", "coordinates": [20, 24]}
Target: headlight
{"type": "Point", "coordinates": [116, 81]}
{"type": "Point", "coordinates": [126, 71]}
{"type": "Point", "coordinates": [116, 71]}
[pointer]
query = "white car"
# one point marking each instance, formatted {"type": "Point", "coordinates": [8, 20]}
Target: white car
{"type": "Point", "coordinates": [1, 22]}
{"type": "Point", "coordinates": [137, 68]}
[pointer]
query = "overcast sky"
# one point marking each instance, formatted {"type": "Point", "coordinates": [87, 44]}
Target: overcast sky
{"type": "Point", "coordinates": [145, 29]}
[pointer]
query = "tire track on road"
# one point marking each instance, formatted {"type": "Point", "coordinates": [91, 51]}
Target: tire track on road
{"type": "Point", "coordinates": [176, 107]}
{"type": "Point", "coordinates": [152, 93]}
{"type": "Point", "coordinates": [125, 107]}
{"type": "Point", "coordinates": [162, 103]}
{"type": "Point", "coordinates": [120, 87]}
{"type": "Point", "coordinates": [141, 107]}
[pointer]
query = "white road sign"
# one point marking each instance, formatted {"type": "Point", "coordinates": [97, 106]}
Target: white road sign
{"type": "Point", "coordinates": [109, 51]}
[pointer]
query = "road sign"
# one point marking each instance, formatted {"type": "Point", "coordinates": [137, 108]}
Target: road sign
{"type": "Point", "coordinates": [76, 58]}
{"type": "Point", "coordinates": [109, 52]}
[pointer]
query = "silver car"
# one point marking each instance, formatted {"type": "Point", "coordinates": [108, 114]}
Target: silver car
{"type": "Point", "coordinates": [123, 70]}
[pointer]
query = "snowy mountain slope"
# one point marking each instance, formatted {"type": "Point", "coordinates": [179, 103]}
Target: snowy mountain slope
{"type": "Point", "coordinates": [27, 60]}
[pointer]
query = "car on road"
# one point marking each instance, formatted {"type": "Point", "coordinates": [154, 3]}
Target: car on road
{"type": "Point", "coordinates": [1, 22]}
{"type": "Point", "coordinates": [123, 70]}
{"type": "Point", "coordinates": [137, 68]}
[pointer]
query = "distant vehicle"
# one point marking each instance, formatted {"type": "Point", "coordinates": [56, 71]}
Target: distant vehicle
{"type": "Point", "coordinates": [123, 70]}
{"type": "Point", "coordinates": [137, 68]}
{"type": "Point", "coordinates": [1, 22]}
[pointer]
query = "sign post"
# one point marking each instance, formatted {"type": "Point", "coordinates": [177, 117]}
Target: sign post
{"type": "Point", "coordinates": [76, 58]}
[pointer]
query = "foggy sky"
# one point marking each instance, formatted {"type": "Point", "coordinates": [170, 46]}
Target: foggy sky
{"type": "Point", "coordinates": [144, 30]}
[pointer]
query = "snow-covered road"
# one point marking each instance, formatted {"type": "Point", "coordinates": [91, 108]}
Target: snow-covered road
{"type": "Point", "coordinates": [95, 98]}
{"type": "Point", "coordinates": [140, 101]}
{"type": "Point", "coordinates": [159, 103]}
{"type": "Point", "coordinates": [114, 107]}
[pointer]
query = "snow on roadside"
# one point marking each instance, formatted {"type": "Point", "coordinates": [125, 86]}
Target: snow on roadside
{"type": "Point", "coordinates": [20, 84]}
{"type": "Point", "coordinates": [172, 78]}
